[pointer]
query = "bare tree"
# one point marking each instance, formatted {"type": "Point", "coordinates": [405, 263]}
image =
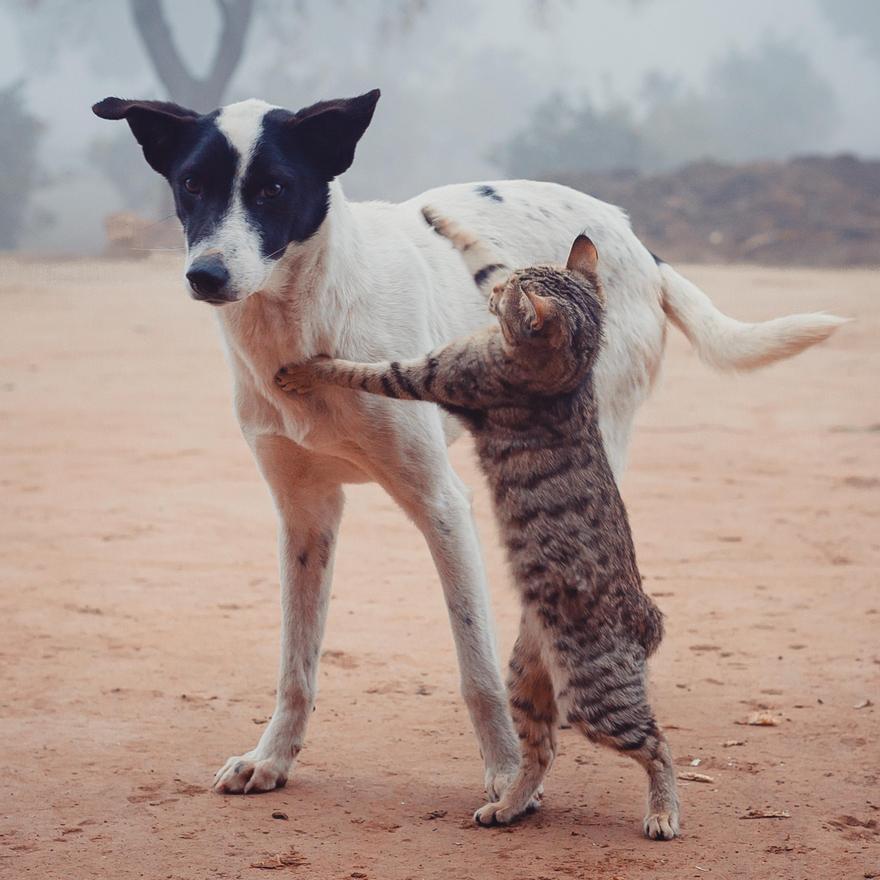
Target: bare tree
{"type": "Point", "coordinates": [858, 19]}
{"type": "Point", "coordinates": [767, 103]}
{"type": "Point", "coordinates": [50, 28]}
{"type": "Point", "coordinates": [19, 137]}
{"type": "Point", "coordinates": [181, 84]}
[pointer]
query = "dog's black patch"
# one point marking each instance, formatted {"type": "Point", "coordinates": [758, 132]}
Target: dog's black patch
{"type": "Point", "coordinates": [207, 159]}
{"type": "Point", "coordinates": [488, 192]}
{"type": "Point", "coordinates": [299, 210]}
{"type": "Point", "coordinates": [292, 216]}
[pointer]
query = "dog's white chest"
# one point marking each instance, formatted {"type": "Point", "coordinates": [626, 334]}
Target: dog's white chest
{"type": "Point", "coordinates": [333, 425]}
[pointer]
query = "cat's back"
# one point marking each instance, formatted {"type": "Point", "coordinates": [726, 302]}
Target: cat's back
{"type": "Point", "coordinates": [546, 466]}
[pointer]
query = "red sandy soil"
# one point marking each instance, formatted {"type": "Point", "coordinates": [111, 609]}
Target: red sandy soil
{"type": "Point", "coordinates": [139, 620]}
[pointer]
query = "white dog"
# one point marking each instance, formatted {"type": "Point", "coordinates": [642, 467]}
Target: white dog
{"type": "Point", "coordinates": [300, 271]}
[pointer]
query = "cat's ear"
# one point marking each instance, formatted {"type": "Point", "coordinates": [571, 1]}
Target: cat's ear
{"type": "Point", "coordinates": [583, 256]}
{"type": "Point", "coordinates": [545, 318]}
{"type": "Point", "coordinates": [541, 309]}
{"type": "Point", "coordinates": [544, 314]}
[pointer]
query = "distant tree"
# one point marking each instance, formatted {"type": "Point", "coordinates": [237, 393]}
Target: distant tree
{"type": "Point", "coordinates": [19, 137]}
{"type": "Point", "coordinates": [859, 19]}
{"type": "Point", "coordinates": [50, 27]}
{"type": "Point", "coordinates": [182, 85]}
{"type": "Point", "coordinates": [563, 137]}
{"type": "Point", "coordinates": [764, 104]}
{"type": "Point", "coordinates": [679, 122]}
{"type": "Point", "coordinates": [768, 103]}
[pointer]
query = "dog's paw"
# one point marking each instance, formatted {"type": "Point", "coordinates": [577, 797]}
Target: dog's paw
{"type": "Point", "coordinates": [495, 814]}
{"type": "Point", "coordinates": [497, 780]}
{"type": "Point", "coordinates": [296, 378]}
{"type": "Point", "coordinates": [243, 774]}
{"type": "Point", "coordinates": [661, 826]}
{"type": "Point", "coordinates": [535, 803]}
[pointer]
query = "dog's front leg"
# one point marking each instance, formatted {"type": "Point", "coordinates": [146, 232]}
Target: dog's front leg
{"type": "Point", "coordinates": [309, 509]}
{"type": "Point", "coordinates": [431, 493]}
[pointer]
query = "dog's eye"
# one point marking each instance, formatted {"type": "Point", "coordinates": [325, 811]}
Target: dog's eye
{"type": "Point", "coordinates": [271, 190]}
{"type": "Point", "coordinates": [192, 186]}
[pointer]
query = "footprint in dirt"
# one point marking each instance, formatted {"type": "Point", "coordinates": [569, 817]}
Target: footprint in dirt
{"type": "Point", "coordinates": [149, 792]}
{"type": "Point", "coordinates": [340, 659]}
{"type": "Point", "coordinates": [854, 828]}
{"type": "Point", "coordinates": [188, 788]}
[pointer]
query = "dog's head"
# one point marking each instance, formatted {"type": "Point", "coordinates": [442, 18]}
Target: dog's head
{"type": "Point", "coordinates": [248, 180]}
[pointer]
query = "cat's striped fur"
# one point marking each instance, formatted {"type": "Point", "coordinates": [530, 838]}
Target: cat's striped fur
{"type": "Point", "coordinates": [524, 388]}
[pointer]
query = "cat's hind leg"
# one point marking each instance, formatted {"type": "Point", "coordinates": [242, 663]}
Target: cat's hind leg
{"type": "Point", "coordinates": [533, 706]}
{"type": "Point", "coordinates": [607, 701]}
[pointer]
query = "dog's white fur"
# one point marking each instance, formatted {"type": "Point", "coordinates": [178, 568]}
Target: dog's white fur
{"type": "Point", "coordinates": [376, 283]}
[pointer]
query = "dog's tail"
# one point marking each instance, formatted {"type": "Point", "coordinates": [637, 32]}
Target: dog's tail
{"type": "Point", "coordinates": [728, 344]}
{"type": "Point", "coordinates": [486, 267]}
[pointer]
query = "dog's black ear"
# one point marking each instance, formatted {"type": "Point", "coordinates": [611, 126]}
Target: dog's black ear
{"type": "Point", "coordinates": [329, 131]}
{"type": "Point", "coordinates": [158, 126]}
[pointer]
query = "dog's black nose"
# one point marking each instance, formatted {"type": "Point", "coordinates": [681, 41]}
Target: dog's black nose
{"type": "Point", "coordinates": [208, 278]}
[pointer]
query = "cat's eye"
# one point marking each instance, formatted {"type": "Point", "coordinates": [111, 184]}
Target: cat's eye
{"type": "Point", "coordinates": [271, 191]}
{"type": "Point", "coordinates": [192, 186]}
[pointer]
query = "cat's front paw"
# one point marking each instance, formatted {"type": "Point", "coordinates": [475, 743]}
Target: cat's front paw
{"type": "Point", "coordinates": [296, 378]}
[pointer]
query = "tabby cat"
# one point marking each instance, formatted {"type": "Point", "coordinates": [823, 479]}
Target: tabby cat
{"type": "Point", "coordinates": [524, 388]}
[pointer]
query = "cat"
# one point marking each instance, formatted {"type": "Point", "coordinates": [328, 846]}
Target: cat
{"type": "Point", "coordinates": [524, 389]}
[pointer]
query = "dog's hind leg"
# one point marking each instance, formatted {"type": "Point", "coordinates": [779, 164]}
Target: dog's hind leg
{"type": "Point", "coordinates": [309, 508]}
{"type": "Point", "coordinates": [431, 493]}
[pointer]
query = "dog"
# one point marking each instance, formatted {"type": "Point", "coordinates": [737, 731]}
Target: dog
{"type": "Point", "coordinates": [295, 270]}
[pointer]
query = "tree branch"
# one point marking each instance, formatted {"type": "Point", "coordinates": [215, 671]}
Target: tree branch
{"type": "Point", "coordinates": [236, 15]}
{"type": "Point", "coordinates": [155, 35]}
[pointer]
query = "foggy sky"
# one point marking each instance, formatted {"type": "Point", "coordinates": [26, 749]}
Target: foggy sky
{"type": "Point", "coordinates": [461, 79]}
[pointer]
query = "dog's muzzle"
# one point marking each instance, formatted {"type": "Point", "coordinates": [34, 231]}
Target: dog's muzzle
{"type": "Point", "coordinates": [208, 279]}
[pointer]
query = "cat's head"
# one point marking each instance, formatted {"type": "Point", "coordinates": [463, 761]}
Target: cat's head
{"type": "Point", "coordinates": [548, 310]}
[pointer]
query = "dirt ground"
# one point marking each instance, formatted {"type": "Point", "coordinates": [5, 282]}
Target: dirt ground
{"type": "Point", "coordinates": [139, 621]}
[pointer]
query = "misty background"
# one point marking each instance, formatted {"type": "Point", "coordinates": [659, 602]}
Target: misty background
{"type": "Point", "coordinates": [603, 94]}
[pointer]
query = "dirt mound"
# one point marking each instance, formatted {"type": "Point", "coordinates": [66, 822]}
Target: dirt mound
{"type": "Point", "coordinates": [810, 211]}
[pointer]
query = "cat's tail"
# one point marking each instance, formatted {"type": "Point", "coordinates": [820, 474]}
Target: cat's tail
{"type": "Point", "coordinates": [728, 344]}
{"type": "Point", "coordinates": [482, 263]}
